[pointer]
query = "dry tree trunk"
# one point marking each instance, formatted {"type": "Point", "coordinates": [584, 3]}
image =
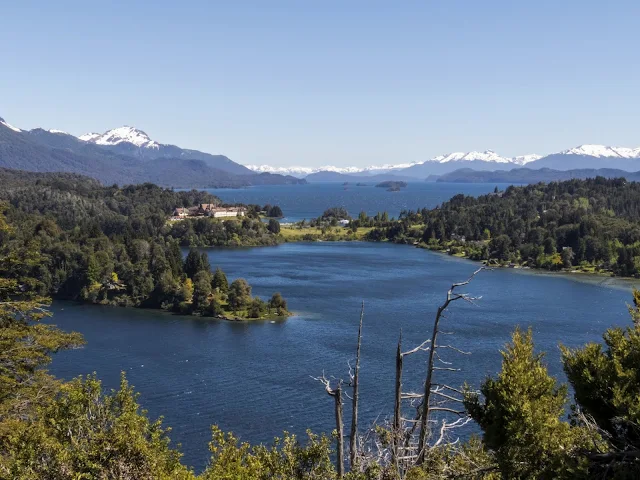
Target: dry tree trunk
{"type": "Point", "coordinates": [337, 395]}
{"type": "Point", "coordinates": [353, 440]}
{"type": "Point", "coordinates": [427, 385]}
{"type": "Point", "coordinates": [452, 296]}
{"type": "Point", "coordinates": [410, 437]}
{"type": "Point", "coordinates": [397, 414]}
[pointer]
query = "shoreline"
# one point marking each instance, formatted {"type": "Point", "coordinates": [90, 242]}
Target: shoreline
{"type": "Point", "coordinates": [599, 278]}
{"type": "Point", "coordinates": [231, 318]}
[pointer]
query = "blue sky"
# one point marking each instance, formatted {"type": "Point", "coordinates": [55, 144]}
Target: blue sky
{"type": "Point", "coordinates": [328, 82]}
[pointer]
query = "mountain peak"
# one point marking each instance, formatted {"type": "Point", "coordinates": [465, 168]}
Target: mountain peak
{"type": "Point", "coordinates": [119, 135]}
{"type": "Point", "coordinates": [8, 125]}
{"type": "Point", "coordinates": [486, 156]}
{"type": "Point", "coordinates": [602, 151]}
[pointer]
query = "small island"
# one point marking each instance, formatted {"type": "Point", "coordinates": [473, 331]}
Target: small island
{"type": "Point", "coordinates": [392, 185]}
{"type": "Point", "coordinates": [360, 184]}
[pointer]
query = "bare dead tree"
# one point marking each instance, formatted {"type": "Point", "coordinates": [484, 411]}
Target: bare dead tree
{"type": "Point", "coordinates": [427, 408]}
{"type": "Point", "coordinates": [397, 406]}
{"type": "Point", "coordinates": [336, 393]}
{"type": "Point", "coordinates": [438, 408]}
{"type": "Point", "coordinates": [355, 377]}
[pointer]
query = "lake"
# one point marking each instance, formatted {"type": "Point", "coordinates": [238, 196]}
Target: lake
{"type": "Point", "coordinates": [255, 378]}
{"type": "Point", "coordinates": [309, 201]}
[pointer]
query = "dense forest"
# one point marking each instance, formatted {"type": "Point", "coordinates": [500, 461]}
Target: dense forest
{"type": "Point", "coordinates": [590, 224]}
{"type": "Point", "coordinates": [113, 245]}
{"type": "Point", "coordinates": [51, 429]}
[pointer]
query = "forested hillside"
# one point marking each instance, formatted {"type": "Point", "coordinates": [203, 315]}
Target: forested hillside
{"type": "Point", "coordinates": [114, 245]}
{"type": "Point", "coordinates": [593, 224]}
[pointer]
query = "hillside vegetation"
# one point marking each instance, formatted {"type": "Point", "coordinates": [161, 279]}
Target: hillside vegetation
{"type": "Point", "coordinates": [591, 224]}
{"type": "Point", "coordinates": [113, 245]}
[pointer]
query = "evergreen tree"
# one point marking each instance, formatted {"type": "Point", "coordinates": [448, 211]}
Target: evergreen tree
{"type": "Point", "coordinates": [521, 417]}
{"type": "Point", "coordinates": [606, 382]}
{"type": "Point", "coordinates": [274, 226]}
{"type": "Point", "coordinates": [193, 263]}
{"type": "Point", "coordinates": [220, 281]}
{"type": "Point", "coordinates": [201, 291]}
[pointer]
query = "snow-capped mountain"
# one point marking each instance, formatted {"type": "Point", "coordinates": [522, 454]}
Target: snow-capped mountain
{"type": "Point", "coordinates": [601, 151]}
{"type": "Point", "coordinates": [524, 159]}
{"type": "Point", "coordinates": [592, 156]}
{"type": "Point", "coordinates": [302, 171]}
{"type": "Point", "coordinates": [486, 156]}
{"type": "Point", "coordinates": [119, 135]}
{"type": "Point", "coordinates": [455, 159]}
{"type": "Point", "coordinates": [135, 142]}
{"type": "Point", "coordinates": [124, 155]}
{"type": "Point", "coordinates": [8, 125]}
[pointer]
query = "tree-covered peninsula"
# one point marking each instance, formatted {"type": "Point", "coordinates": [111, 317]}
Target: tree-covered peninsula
{"type": "Point", "coordinates": [589, 225]}
{"type": "Point", "coordinates": [116, 246]}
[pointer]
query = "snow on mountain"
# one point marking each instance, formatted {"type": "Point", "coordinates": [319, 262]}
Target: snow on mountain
{"type": "Point", "coordinates": [486, 156]}
{"type": "Point", "coordinates": [301, 171]}
{"type": "Point", "coordinates": [88, 137]}
{"type": "Point", "coordinates": [524, 159]}
{"type": "Point", "coordinates": [15, 129]}
{"type": "Point", "coordinates": [53, 130]}
{"type": "Point", "coordinates": [119, 135]}
{"type": "Point", "coordinates": [602, 151]}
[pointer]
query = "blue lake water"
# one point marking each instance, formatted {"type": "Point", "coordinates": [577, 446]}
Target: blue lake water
{"type": "Point", "coordinates": [254, 378]}
{"type": "Point", "coordinates": [309, 201]}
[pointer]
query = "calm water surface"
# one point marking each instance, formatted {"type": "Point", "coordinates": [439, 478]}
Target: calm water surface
{"type": "Point", "coordinates": [254, 378]}
{"type": "Point", "coordinates": [309, 201]}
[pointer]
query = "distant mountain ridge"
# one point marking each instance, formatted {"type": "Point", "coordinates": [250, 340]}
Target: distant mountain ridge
{"type": "Point", "coordinates": [132, 141]}
{"type": "Point", "coordinates": [582, 157]}
{"type": "Point", "coordinates": [124, 155]}
{"type": "Point", "coordinates": [488, 156]}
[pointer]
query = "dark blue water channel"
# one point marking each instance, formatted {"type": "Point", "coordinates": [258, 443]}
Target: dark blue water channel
{"type": "Point", "coordinates": [309, 201]}
{"type": "Point", "coordinates": [254, 378]}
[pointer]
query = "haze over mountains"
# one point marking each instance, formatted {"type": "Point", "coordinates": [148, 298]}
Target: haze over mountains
{"type": "Point", "coordinates": [124, 155]}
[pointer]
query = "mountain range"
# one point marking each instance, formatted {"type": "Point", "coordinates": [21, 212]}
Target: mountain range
{"type": "Point", "coordinates": [582, 157]}
{"type": "Point", "coordinates": [124, 155]}
{"type": "Point", "coordinates": [128, 155]}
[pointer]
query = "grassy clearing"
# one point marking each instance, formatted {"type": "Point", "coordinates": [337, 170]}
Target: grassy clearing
{"type": "Point", "coordinates": [293, 234]}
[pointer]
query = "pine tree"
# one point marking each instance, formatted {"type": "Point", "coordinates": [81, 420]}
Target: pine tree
{"type": "Point", "coordinates": [606, 382]}
{"type": "Point", "coordinates": [220, 281]}
{"type": "Point", "coordinates": [192, 263]}
{"type": "Point", "coordinates": [521, 417]}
